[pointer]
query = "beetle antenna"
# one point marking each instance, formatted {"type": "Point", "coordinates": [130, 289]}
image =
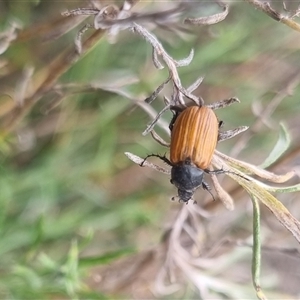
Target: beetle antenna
{"type": "Point", "coordinates": [222, 171]}
{"type": "Point", "coordinates": [176, 111]}
{"type": "Point", "coordinates": [229, 172]}
{"type": "Point", "coordinates": [219, 171]}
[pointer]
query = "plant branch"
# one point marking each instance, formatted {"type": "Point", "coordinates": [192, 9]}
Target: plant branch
{"type": "Point", "coordinates": [267, 9]}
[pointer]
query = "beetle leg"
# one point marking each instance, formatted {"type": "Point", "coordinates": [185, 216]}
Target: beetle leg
{"type": "Point", "coordinates": [176, 111]}
{"type": "Point", "coordinates": [180, 200]}
{"type": "Point", "coordinates": [175, 115]}
{"type": "Point", "coordinates": [219, 171]}
{"type": "Point", "coordinates": [222, 171]}
{"type": "Point", "coordinates": [158, 139]}
{"type": "Point", "coordinates": [206, 187]}
{"type": "Point", "coordinates": [164, 158]}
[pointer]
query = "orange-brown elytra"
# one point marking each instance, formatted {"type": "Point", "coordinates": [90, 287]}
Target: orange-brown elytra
{"type": "Point", "coordinates": [194, 136]}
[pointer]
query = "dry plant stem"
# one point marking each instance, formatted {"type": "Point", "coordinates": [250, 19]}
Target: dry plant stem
{"type": "Point", "coordinates": [158, 139]}
{"type": "Point", "coordinates": [154, 95]}
{"type": "Point", "coordinates": [51, 29]}
{"type": "Point", "coordinates": [214, 19]}
{"type": "Point", "coordinates": [158, 65]}
{"type": "Point", "coordinates": [173, 242]}
{"type": "Point", "coordinates": [78, 39]}
{"type": "Point", "coordinates": [155, 17]}
{"type": "Point", "coordinates": [222, 194]}
{"type": "Point", "coordinates": [169, 61]}
{"type": "Point", "coordinates": [172, 65]}
{"type": "Point", "coordinates": [81, 11]}
{"type": "Point", "coordinates": [195, 85]}
{"type": "Point", "coordinates": [228, 134]}
{"type": "Point", "coordinates": [151, 126]}
{"type": "Point", "coordinates": [55, 70]}
{"type": "Point", "coordinates": [267, 9]}
{"type": "Point", "coordinates": [251, 169]}
{"type": "Point", "coordinates": [223, 103]}
{"type": "Point", "coordinates": [23, 85]}
{"type": "Point", "coordinates": [177, 230]}
{"type": "Point", "coordinates": [150, 111]}
{"type": "Point", "coordinates": [8, 36]}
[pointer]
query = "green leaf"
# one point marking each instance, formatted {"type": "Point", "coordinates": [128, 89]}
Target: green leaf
{"type": "Point", "coordinates": [274, 189]}
{"type": "Point", "coordinates": [104, 259]}
{"type": "Point", "coordinates": [281, 146]}
{"type": "Point", "coordinates": [28, 275]}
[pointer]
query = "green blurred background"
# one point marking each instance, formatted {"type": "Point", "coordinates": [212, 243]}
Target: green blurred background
{"type": "Point", "coordinates": [72, 205]}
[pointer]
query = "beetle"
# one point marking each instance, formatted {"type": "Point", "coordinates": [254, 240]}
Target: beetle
{"type": "Point", "coordinates": [194, 137]}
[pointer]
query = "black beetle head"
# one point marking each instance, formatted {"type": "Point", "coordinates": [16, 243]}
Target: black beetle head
{"type": "Point", "coordinates": [185, 195]}
{"type": "Point", "coordinates": [187, 178]}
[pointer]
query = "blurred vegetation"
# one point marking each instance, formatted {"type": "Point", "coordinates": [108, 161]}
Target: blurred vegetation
{"type": "Point", "coordinates": [70, 200]}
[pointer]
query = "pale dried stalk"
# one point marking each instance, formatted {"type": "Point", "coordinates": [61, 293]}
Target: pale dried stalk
{"type": "Point", "coordinates": [267, 9]}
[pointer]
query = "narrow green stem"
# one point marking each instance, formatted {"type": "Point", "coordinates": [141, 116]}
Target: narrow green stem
{"type": "Point", "coordinates": [256, 256]}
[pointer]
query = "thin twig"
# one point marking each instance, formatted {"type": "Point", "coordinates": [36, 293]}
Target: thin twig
{"type": "Point", "coordinates": [267, 9]}
{"type": "Point", "coordinates": [210, 20]}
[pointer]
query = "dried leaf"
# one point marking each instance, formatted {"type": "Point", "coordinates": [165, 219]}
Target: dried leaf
{"type": "Point", "coordinates": [136, 159]}
{"type": "Point", "coordinates": [229, 134]}
{"type": "Point", "coordinates": [223, 103]}
{"type": "Point", "coordinates": [222, 194]}
{"type": "Point", "coordinates": [275, 206]}
{"type": "Point", "coordinates": [160, 140]}
{"type": "Point", "coordinates": [210, 20]}
{"type": "Point", "coordinates": [273, 189]}
{"type": "Point", "coordinates": [251, 169]}
{"type": "Point", "coordinates": [185, 61]}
